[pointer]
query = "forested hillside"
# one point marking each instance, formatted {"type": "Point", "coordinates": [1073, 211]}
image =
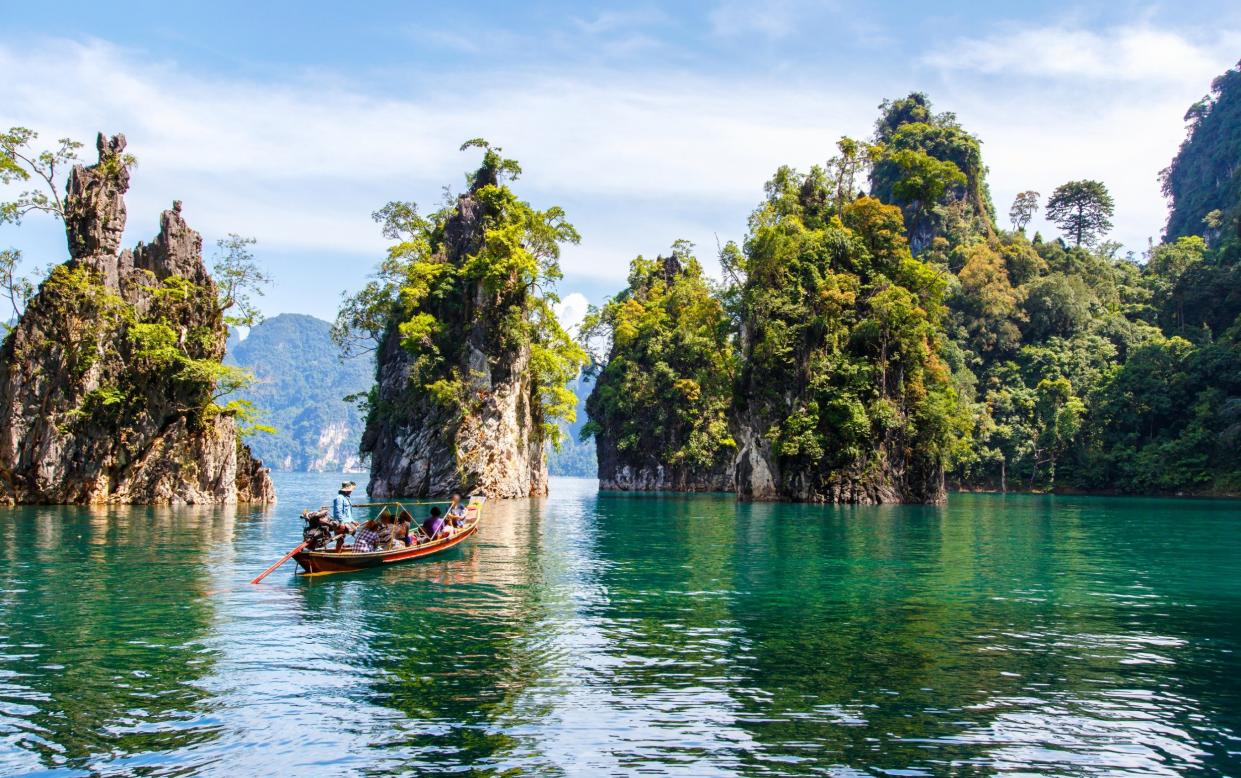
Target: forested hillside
{"type": "Point", "coordinates": [1089, 370]}
{"type": "Point", "coordinates": [300, 388]}
{"type": "Point", "coordinates": [1013, 361]}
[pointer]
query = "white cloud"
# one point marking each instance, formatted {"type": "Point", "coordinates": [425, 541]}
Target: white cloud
{"type": "Point", "coordinates": [571, 310]}
{"type": "Point", "coordinates": [301, 164]}
{"type": "Point", "coordinates": [1138, 53]}
{"type": "Point", "coordinates": [638, 159]}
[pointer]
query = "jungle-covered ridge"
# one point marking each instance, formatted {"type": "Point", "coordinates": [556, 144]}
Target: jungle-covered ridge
{"type": "Point", "coordinates": [1012, 361]}
{"type": "Point", "coordinates": [882, 333]}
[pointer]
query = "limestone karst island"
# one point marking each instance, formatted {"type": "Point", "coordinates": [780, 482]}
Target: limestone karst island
{"type": "Point", "coordinates": [719, 389]}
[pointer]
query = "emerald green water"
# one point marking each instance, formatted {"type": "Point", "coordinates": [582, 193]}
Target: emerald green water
{"type": "Point", "coordinates": [588, 634]}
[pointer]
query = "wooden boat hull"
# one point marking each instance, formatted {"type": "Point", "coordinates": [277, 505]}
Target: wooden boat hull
{"type": "Point", "coordinates": [319, 562]}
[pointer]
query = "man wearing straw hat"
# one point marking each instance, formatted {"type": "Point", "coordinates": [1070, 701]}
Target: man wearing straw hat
{"type": "Point", "coordinates": [342, 505]}
{"type": "Point", "coordinates": [342, 514]}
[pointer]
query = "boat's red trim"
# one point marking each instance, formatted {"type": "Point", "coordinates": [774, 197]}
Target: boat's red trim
{"type": "Point", "coordinates": [332, 562]}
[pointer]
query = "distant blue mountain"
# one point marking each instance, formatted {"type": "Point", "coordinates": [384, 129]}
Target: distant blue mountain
{"type": "Point", "coordinates": [300, 388]}
{"type": "Point", "coordinates": [575, 457]}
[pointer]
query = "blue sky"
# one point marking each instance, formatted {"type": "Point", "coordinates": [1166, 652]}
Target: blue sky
{"type": "Point", "coordinates": [292, 122]}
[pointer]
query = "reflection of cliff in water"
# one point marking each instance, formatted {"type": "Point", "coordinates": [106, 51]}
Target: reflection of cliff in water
{"type": "Point", "coordinates": [107, 616]}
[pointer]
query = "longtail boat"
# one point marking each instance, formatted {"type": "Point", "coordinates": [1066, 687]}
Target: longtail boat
{"type": "Point", "coordinates": [346, 561]}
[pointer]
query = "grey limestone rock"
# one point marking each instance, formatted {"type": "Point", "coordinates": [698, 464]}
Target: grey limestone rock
{"type": "Point", "coordinates": [68, 434]}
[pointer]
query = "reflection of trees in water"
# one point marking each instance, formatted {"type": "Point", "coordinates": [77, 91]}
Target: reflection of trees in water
{"type": "Point", "coordinates": [104, 615]}
{"type": "Point", "coordinates": [450, 643]}
{"type": "Point", "coordinates": [901, 637]}
{"type": "Point", "coordinates": [668, 572]}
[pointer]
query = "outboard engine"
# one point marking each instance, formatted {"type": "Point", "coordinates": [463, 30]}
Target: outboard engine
{"type": "Point", "coordinates": [318, 530]}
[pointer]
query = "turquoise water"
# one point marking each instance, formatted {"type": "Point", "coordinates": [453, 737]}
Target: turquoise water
{"type": "Point", "coordinates": [587, 634]}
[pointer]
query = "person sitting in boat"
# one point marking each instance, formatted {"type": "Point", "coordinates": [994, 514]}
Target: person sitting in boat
{"type": "Point", "coordinates": [321, 529]}
{"type": "Point", "coordinates": [401, 531]}
{"type": "Point", "coordinates": [434, 527]}
{"type": "Point", "coordinates": [387, 531]}
{"type": "Point", "coordinates": [318, 531]}
{"type": "Point", "coordinates": [366, 539]}
{"type": "Point", "coordinates": [456, 511]}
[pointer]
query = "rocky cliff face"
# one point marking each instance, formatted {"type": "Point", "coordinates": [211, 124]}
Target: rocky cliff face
{"type": "Point", "coordinates": [106, 395]}
{"type": "Point", "coordinates": [884, 476]}
{"type": "Point", "coordinates": [495, 446]}
{"type": "Point", "coordinates": [617, 475]}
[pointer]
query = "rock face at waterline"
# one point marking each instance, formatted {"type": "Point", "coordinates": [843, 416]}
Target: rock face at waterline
{"type": "Point", "coordinates": [107, 386]}
{"type": "Point", "coordinates": [615, 474]}
{"type": "Point", "coordinates": [428, 450]}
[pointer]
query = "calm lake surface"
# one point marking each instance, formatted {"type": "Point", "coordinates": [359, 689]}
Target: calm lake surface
{"type": "Point", "coordinates": [587, 634]}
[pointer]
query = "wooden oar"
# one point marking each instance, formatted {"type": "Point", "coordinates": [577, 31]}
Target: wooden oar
{"type": "Point", "coordinates": [283, 559]}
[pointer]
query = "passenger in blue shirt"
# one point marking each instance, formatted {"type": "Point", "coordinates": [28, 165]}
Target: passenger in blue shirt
{"type": "Point", "coordinates": [341, 523]}
{"type": "Point", "coordinates": [342, 506]}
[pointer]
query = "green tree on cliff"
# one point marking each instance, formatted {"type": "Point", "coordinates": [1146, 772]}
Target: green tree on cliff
{"type": "Point", "coordinates": [425, 291]}
{"type": "Point", "coordinates": [1082, 209]}
{"type": "Point", "coordinates": [19, 163]}
{"type": "Point", "coordinates": [1025, 205]}
{"type": "Point", "coordinates": [931, 167]}
{"type": "Point", "coordinates": [238, 276]}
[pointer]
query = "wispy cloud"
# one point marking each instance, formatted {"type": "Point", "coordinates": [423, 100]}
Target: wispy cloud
{"type": "Point", "coordinates": [1139, 53]}
{"type": "Point", "coordinates": [303, 164]}
{"type": "Point", "coordinates": [638, 157]}
{"type": "Point", "coordinates": [772, 18]}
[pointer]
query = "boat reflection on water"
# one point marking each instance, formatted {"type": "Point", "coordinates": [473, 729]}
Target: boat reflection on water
{"type": "Point", "coordinates": [446, 644]}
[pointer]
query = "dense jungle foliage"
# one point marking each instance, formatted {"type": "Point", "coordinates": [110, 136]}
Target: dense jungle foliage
{"type": "Point", "coordinates": [484, 264]}
{"type": "Point", "coordinates": [664, 391]}
{"type": "Point", "coordinates": [1088, 370]}
{"type": "Point", "coordinates": [843, 330]}
{"type": "Point", "coordinates": [825, 339]}
{"type": "Point", "coordinates": [1021, 362]}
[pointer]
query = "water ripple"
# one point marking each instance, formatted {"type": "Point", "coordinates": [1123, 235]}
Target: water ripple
{"type": "Point", "coordinates": [589, 635]}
